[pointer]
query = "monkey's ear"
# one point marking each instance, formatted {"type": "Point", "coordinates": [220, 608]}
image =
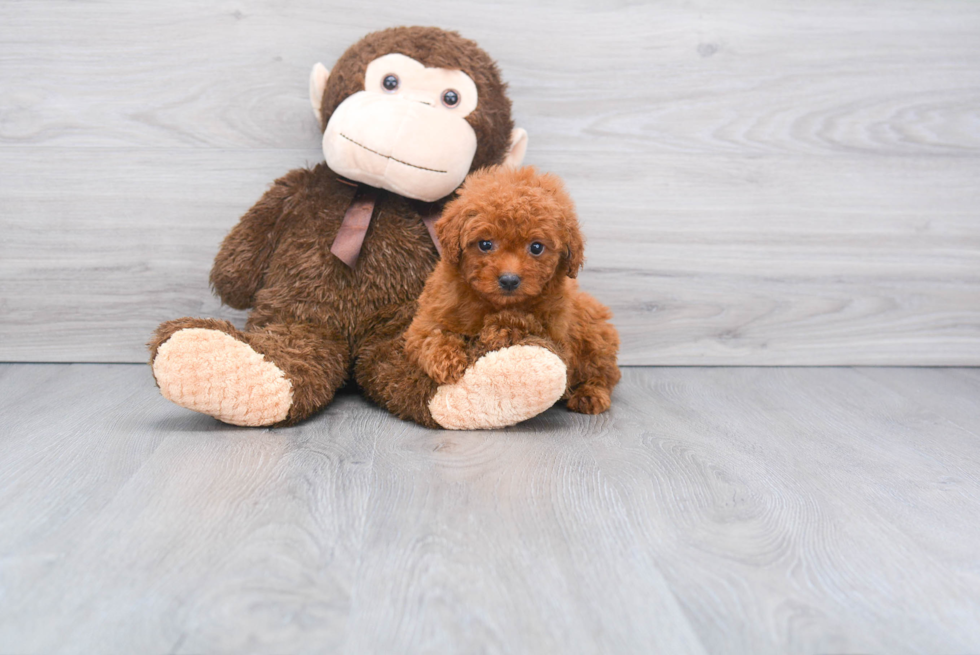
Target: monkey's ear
{"type": "Point", "coordinates": [574, 255]}
{"type": "Point", "coordinates": [518, 147]}
{"type": "Point", "coordinates": [318, 82]}
{"type": "Point", "coordinates": [449, 231]}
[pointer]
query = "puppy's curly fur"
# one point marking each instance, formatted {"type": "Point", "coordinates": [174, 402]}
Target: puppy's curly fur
{"type": "Point", "coordinates": [511, 250]}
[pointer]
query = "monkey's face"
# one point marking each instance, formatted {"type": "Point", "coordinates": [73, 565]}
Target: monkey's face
{"type": "Point", "coordinates": [406, 131]}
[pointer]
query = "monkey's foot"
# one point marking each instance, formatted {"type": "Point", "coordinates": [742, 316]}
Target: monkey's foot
{"type": "Point", "coordinates": [214, 373]}
{"type": "Point", "coordinates": [502, 388]}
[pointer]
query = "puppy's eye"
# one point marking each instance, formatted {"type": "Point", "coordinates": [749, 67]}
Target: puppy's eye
{"type": "Point", "coordinates": [390, 82]}
{"type": "Point", "coordinates": [485, 245]}
{"type": "Point", "coordinates": [536, 248]}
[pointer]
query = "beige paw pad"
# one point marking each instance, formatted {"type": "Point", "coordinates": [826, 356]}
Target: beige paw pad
{"type": "Point", "coordinates": [502, 388]}
{"type": "Point", "coordinates": [214, 373]}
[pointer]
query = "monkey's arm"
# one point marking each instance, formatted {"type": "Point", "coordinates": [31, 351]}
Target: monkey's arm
{"type": "Point", "coordinates": [241, 264]}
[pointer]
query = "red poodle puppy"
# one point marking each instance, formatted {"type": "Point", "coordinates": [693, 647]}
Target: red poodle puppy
{"type": "Point", "coordinates": [511, 250]}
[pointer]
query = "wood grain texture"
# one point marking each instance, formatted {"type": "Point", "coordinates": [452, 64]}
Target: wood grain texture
{"type": "Point", "coordinates": [128, 527]}
{"type": "Point", "coordinates": [507, 542]}
{"type": "Point", "coordinates": [951, 396]}
{"type": "Point", "coordinates": [712, 510]}
{"type": "Point", "coordinates": [761, 184]}
{"type": "Point", "coordinates": [813, 505]}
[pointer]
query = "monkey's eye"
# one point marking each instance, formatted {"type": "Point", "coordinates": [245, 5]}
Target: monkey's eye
{"type": "Point", "coordinates": [390, 82]}
{"type": "Point", "coordinates": [485, 245]}
{"type": "Point", "coordinates": [536, 248]}
{"type": "Point", "coordinates": [450, 98]}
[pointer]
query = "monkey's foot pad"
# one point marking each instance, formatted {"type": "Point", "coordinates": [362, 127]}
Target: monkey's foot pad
{"type": "Point", "coordinates": [211, 372]}
{"type": "Point", "coordinates": [502, 388]}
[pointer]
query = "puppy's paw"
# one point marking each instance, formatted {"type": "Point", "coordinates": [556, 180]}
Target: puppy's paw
{"type": "Point", "coordinates": [515, 320]}
{"type": "Point", "coordinates": [447, 366]}
{"type": "Point", "coordinates": [508, 328]}
{"type": "Point", "coordinates": [497, 338]}
{"type": "Point", "coordinates": [589, 400]}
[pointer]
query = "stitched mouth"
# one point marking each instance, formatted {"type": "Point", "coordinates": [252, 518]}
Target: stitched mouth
{"type": "Point", "coordinates": [399, 161]}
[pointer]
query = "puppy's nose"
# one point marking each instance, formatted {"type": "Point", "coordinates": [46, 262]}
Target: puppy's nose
{"type": "Point", "coordinates": [509, 281]}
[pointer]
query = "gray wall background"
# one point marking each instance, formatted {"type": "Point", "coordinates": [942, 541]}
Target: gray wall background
{"type": "Point", "coordinates": [761, 182]}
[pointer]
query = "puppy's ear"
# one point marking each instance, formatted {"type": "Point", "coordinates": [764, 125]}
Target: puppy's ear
{"type": "Point", "coordinates": [449, 231]}
{"type": "Point", "coordinates": [574, 256]}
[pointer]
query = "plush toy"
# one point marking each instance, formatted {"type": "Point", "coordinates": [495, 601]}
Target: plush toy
{"type": "Point", "coordinates": [332, 259]}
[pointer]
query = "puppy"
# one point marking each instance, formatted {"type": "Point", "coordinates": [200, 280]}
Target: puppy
{"type": "Point", "coordinates": [511, 248]}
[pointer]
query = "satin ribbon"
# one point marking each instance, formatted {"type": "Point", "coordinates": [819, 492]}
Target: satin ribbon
{"type": "Point", "coordinates": [347, 244]}
{"type": "Point", "coordinates": [350, 237]}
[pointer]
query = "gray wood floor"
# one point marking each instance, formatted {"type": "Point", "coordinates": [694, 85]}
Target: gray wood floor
{"type": "Point", "coordinates": [761, 182]}
{"type": "Point", "coordinates": [712, 510]}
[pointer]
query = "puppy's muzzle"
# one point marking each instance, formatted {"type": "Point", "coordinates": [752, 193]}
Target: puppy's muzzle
{"type": "Point", "coordinates": [509, 281]}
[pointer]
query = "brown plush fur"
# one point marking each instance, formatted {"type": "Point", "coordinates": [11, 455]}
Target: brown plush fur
{"type": "Point", "coordinates": [463, 299]}
{"type": "Point", "coordinates": [319, 321]}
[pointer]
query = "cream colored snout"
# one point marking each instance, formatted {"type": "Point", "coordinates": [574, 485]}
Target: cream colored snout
{"type": "Point", "coordinates": [407, 144]}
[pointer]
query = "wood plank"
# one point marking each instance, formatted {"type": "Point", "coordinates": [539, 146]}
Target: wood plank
{"type": "Point", "coordinates": [828, 78]}
{"type": "Point", "coordinates": [130, 525]}
{"type": "Point", "coordinates": [800, 510]}
{"type": "Point", "coordinates": [698, 264]}
{"type": "Point", "coordinates": [507, 542]}
{"type": "Point", "coordinates": [758, 510]}
{"type": "Point", "coordinates": [950, 393]}
{"type": "Point", "coordinates": [763, 184]}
